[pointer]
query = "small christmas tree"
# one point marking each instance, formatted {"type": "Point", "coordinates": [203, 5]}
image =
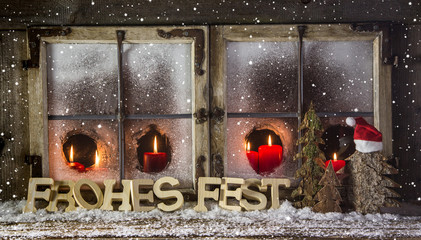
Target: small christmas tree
{"type": "Point", "coordinates": [312, 168]}
{"type": "Point", "coordinates": [328, 197]}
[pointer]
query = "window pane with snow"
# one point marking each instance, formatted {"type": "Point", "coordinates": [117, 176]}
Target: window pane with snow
{"type": "Point", "coordinates": [177, 134]}
{"type": "Point", "coordinates": [157, 78]}
{"type": "Point", "coordinates": [261, 76]}
{"type": "Point", "coordinates": [83, 149]}
{"type": "Point", "coordinates": [81, 79]}
{"type": "Point", "coordinates": [338, 76]}
{"type": "Point", "coordinates": [338, 137]}
{"type": "Point", "coordinates": [241, 163]}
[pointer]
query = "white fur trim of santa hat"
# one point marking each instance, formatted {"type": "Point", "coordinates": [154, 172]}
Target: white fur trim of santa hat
{"type": "Point", "coordinates": [368, 146]}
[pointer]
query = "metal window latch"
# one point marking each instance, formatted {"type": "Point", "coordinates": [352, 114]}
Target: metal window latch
{"type": "Point", "coordinates": [201, 116]}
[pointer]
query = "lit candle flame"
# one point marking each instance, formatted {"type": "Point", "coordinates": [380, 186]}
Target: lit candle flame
{"type": "Point", "coordinates": [334, 156]}
{"type": "Point", "coordinates": [248, 146]}
{"type": "Point", "coordinates": [71, 154]}
{"type": "Point", "coordinates": [155, 146]}
{"type": "Point", "coordinates": [96, 159]}
{"type": "Point", "coordinates": [269, 141]}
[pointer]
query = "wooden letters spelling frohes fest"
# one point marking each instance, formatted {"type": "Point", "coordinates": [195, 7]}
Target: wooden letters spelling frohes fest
{"type": "Point", "coordinates": [131, 196]}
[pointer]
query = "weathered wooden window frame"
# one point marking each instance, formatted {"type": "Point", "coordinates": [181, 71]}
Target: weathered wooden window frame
{"type": "Point", "coordinates": [214, 133]}
{"type": "Point", "coordinates": [220, 35]}
{"type": "Point", "coordinates": [37, 84]}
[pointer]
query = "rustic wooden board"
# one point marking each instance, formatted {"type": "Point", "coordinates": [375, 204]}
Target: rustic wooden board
{"type": "Point", "coordinates": [166, 227]}
{"type": "Point", "coordinates": [14, 129]}
{"type": "Point", "coordinates": [406, 107]}
{"type": "Point", "coordinates": [192, 12]}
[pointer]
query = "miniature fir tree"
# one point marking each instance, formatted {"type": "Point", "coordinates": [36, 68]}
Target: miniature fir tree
{"type": "Point", "coordinates": [328, 197]}
{"type": "Point", "coordinates": [311, 170]}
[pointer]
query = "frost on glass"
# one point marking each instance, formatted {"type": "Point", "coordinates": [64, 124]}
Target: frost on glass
{"type": "Point", "coordinates": [237, 164]}
{"type": "Point", "coordinates": [179, 134]}
{"type": "Point", "coordinates": [338, 137]}
{"type": "Point", "coordinates": [261, 77]}
{"type": "Point", "coordinates": [82, 79]}
{"type": "Point", "coordinates": [158, 78]}
{"type": "Point", "coordinates": [338, 76]}
{"type": "Point", "coordinates": [104, 133]}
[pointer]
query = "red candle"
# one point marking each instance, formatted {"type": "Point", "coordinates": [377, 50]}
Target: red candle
{"type": "Point", "coordinates": [253, 158]}
{"type": "Point", "coordinates": [337, 164]}
{"type": "Point", "coordinates": [154, 161]}
{"type": "Point", "coordinates": [96, 167]}
{"type": "Point", "coordinates": [270, 157]}
{"type": "Point", "coordinates": [74, 164]}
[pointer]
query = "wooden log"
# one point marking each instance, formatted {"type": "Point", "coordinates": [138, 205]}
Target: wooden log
{"type": "Point", "coordinates": [367, 187]}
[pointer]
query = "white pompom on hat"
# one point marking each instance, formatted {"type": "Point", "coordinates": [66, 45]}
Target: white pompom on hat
{"type": "Point", "coordinates": [350, 121]}
{"type": "Point", "coordinates": [366, 137]}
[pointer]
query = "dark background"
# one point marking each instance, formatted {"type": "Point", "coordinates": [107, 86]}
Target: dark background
{"type": "Point", "coordinates": [17, 15]}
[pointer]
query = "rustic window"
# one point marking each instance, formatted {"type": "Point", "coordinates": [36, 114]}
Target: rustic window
{"type": "Point", "coordinates": [132, 93]}
{"type": "Point", "coordinates": [262, 80]}
{"type": "Point", "coordinates": [258, 80]}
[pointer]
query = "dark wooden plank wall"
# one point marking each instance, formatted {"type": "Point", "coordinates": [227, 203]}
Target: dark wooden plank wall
{"type": "Point", "coordinates": [19, 14]}
{"type": "Point", "coordinates": [158, 12]}
{"type": "Point", "coordinates": [14, 129]}
{"type": "Point", "coordinates": [406, 108]}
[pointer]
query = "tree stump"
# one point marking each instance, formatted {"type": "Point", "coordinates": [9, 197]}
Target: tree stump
{"type": "Point", "coordinates": [368, 188]}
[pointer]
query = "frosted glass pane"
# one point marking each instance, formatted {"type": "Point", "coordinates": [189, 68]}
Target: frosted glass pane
{"type": "Point", "coordinates": [104, 133]}
{"type": "Point", "coordinates": [158, 78]}
{"type": "Point", "coordinates": [238, 165]}
{"type": "Point", "coordinates": [82, 79]}
{"type": "Point", "coordinates": [338, 76]}
{"type": "Point", "coordinates": [338, 137]}
{"type": "Point", "coordinates": [261, 76]}
{"type": "Point", "coordinates": [179, 134]}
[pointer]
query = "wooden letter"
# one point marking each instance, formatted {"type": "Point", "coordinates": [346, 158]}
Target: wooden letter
{"type": "Point", "coordinates": [94, 187]}
{"type": "Point", "coordinates": [62, 197]}
{"type": "Point", "coordinates": [275, 183]}
{"type": "Point", "coordinates": [34, 194]}
{"type": "Point", "coordinates": [202, 193]}
{"type": "Point", "coordinates": [225, 193]}
{"type": "Point", "coordinates": [110, 196]}
{"type": "Point", "coordinates": [253, 195]}
{"type": "Point", "coordinates": [137, 196]}
{"type": "Point", "coordinates": [168, 194]}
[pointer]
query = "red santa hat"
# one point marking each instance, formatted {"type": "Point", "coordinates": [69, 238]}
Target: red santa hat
{"type": "Point", "coordinates": [366, 137]}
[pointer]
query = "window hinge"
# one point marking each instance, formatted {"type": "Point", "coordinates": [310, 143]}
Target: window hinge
{"type": "Point", "coordinates": [200, 168]}
{"type": "Point", "coordinates": [201, 116]}
{"type": "Point", "coordinates": [218, 114]}
{"type": "Point", "coordinates": [217, 165]}
{"type": "Point", "coordinates": [32, 159]}
{"type": "Point", "coordinates": [35, 163]}
{"type": "Point", "coordinates": [34, 38]}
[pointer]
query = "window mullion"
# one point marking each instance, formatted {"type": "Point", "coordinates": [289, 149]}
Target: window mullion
{"type": "Point", "coordinates": [120, 114]}
{"type": "Point", "coordinates": [301, 30]}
